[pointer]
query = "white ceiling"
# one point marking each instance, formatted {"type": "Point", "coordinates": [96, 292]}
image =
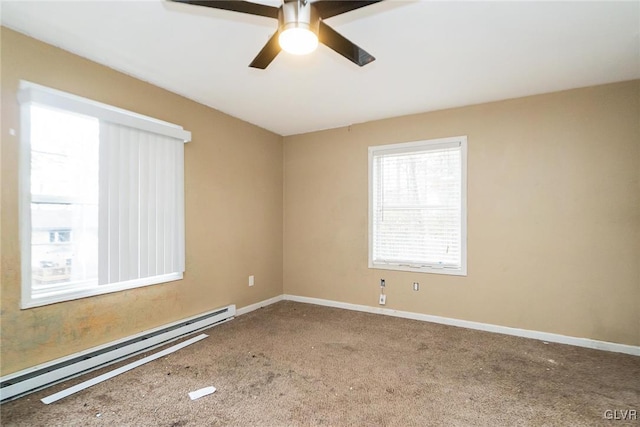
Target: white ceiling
{"type": "Point", "coordinates": [430, 55]}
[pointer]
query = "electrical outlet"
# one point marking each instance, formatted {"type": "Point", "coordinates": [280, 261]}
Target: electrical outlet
{"type": "Point", "coordinates": [382, 284]}
{"type": "Point", "coordinates": [416, 286]}
{"type": "Point", "coordinates": [383, 299]}
{"type": "Point", "coordinates": [251, 281]}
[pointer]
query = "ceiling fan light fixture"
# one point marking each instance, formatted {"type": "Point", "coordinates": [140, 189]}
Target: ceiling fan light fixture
{"type": "Point", "coordinates": [298, 40]}
{"type": "Point", "coordinates": [301, 26]}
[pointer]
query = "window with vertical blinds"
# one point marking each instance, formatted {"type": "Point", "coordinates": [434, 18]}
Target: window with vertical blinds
{"type": "Point", "coordinates": [102, 198]}
{"type": "Point", "coordinates": [417, 206]}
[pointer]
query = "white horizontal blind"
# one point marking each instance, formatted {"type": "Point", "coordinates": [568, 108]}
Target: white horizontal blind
{"type": "Point", "coordinates": [417, 206]}
{"type": "Point", "coordinates": [141, 204]}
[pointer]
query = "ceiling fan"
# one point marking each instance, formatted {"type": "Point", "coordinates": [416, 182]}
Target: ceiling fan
{"type": "Point", "coordinates": [300, 26]}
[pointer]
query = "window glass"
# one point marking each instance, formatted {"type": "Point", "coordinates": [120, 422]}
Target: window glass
{"type": "Point", "coordinates": [417, 217]}
{"type": "Point", "coordinates": [64, 197]}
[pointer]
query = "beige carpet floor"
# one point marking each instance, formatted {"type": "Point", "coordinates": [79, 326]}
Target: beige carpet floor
{"type": "Point", "coordinates": [293, 364]}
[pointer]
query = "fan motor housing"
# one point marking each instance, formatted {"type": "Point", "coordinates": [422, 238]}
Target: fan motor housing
{"type": "Point", "coordinates": [298, 14]}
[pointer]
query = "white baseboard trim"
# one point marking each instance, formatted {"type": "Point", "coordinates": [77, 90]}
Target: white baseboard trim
{"type": "Point", "coordinates": [542, 336]}
{"type": "Point", "coordinates": [249, 308]}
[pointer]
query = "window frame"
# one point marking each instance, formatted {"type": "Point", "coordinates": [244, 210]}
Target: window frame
{"type": "Point", "coordinates": [411, 147]}
{"type": "Point", "coordinates": [29, 94]}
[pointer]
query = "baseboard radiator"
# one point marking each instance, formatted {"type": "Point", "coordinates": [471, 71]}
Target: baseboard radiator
{"type": "Point", "coordinates": [29, 380]}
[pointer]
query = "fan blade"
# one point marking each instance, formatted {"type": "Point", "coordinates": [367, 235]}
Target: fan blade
{"type": "Point", "coordinates": [331, 38]}
{"type": "Point", "coordinates": [328, 8]}
{"type": "Point", "coordinates": [267, 54]}
{"type": "Point", "coordinates": [236, 6]}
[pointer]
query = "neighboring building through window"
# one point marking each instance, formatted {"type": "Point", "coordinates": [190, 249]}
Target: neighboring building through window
{"type": "Point", "coordinates": [59, 236]}
{"type": "Point", "coordinates": [102, 198]}
{"type": "Point", "coordinates": [417, 206]}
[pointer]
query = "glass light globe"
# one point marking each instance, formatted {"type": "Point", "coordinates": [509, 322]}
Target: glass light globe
{"type": "Point", "coordinates": [299, 41]}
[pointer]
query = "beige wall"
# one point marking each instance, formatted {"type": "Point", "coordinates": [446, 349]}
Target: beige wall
{"type": "Point", "coordinates": [234, 197]}
{"type": "Point", "coordinates": [553, 208]}
{"type": "Point", "coordinates": [553, 214]}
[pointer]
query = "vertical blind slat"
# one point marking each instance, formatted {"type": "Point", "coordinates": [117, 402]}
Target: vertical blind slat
{"type": "Point", "coordinates": [134, 211]}
{"type": "Point", "coordinates": [151, 213]}
{"type": "Point", "coordinates": [113, 207]}
{"type": "Point", "coordinates": [124, 176]}
{"type": "Point", "coordinates": [103, 212]}
{"type": "Point", "coordinates": [144, 208]}
{"type": "Point", "coordinates": [179, 257]}
{"type": "Point", "coordinates": [169, 205]}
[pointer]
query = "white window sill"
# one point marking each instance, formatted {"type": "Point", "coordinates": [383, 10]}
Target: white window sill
{"type": "Point", "coordinates": [420, 269]}
{"type": "Point", "coordinates": [54, 296]}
